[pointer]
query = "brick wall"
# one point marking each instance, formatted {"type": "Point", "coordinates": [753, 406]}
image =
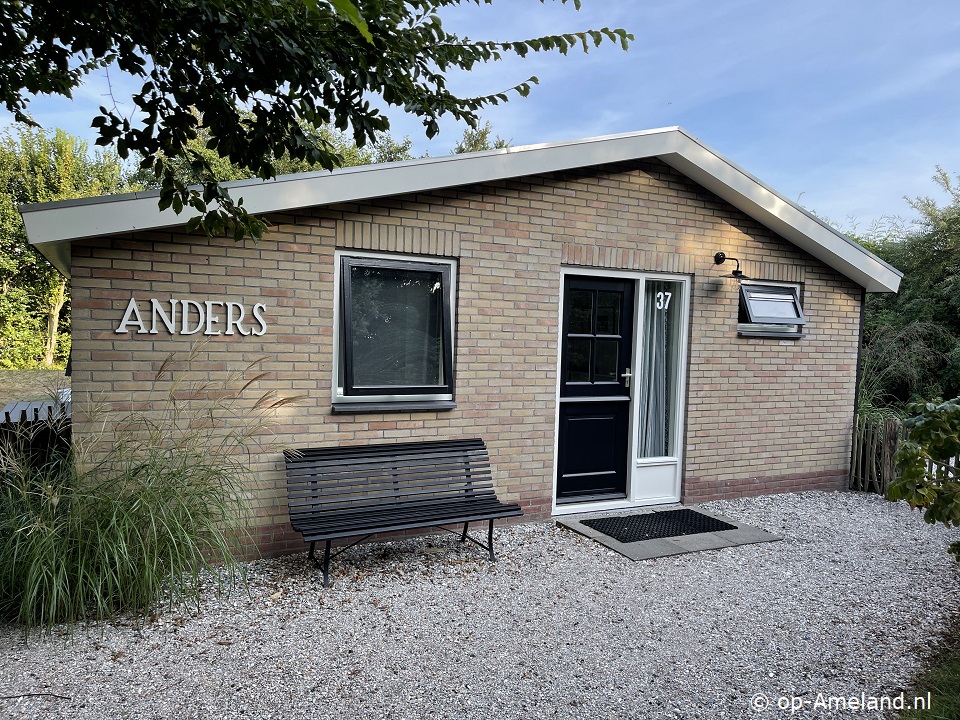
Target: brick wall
{"type": "Point", "coordinates": [763, 415]}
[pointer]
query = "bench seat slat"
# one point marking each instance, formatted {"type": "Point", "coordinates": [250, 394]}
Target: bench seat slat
{"type": "Point", "coordinates": [378, 478]}
{"type": "Point", "coordinates": [372, 512]}
{"type": "Point", "coordinates": [320, 495]}
{"type": "Point", "coordinates": [397, 524]}
{"type": "Point", "coordinates": [406, 506]}
{"type": "Point", "coordinates": [426, 515]}
{"type": "Point", "coordinates": [333, 467]}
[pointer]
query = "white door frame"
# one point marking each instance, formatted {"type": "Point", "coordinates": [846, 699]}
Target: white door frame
{"type": "Point", "coordinates": [636, 466]}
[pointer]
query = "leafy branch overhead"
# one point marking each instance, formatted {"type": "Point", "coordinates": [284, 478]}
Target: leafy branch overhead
{"type": "Point", "coordinates": [259, 74]}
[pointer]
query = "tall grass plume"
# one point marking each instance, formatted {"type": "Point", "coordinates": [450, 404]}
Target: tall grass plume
{"type": "Point", "coordinates": [136, 513]}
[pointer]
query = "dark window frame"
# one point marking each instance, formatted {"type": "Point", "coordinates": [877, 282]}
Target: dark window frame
{"type": "Point", "coordinates": [751, 324]}
{"type": "Point", "coordinates": [348, 392]}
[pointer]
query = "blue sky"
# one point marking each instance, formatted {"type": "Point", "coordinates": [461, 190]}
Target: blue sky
{"type": "Point", "coordinates": [845, 106]}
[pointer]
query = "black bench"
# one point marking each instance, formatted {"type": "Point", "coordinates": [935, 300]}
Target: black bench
{"type": "Point", "coordinates": [346, 491]}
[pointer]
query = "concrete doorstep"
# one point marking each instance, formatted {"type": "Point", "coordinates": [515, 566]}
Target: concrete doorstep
{"type": "Point", "coordinates": [663, 547]}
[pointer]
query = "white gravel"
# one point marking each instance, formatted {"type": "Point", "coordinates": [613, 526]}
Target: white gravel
{"type": "Point", "coordinates": [559, 627]}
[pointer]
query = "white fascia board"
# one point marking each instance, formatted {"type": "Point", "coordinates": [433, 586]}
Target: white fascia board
{"type": "Point", "coordinates": [133, 212]}
{"type": "Point", "coordinates": [373, 181]}
{"type": "Point", "coordinates": [745, 192]}
{"type": "Point", "coordinates": [52, 226]}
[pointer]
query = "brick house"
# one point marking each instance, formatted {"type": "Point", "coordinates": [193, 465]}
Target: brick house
{"type": "Point", "coordinates": [565, 302]}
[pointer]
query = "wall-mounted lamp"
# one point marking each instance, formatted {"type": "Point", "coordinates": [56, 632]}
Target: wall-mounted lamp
{"type": "Point", "coordinates": [720, 258]}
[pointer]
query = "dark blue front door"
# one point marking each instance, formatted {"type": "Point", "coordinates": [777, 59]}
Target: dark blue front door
{"type": "Point", "coordinates": [595, 374]}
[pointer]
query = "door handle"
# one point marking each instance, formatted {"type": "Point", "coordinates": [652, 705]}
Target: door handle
{"type": "Point", "coordinates": [626, 376]}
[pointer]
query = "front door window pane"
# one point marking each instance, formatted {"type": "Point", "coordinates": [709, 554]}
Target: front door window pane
{"type": "Point", "coordinates": [581, 312]}
{"type": "Point", "coordinates": [608, 313]}
{"type": "Point", "coordinates": [607, 360]}
{"type": "Point", "coordinates": [578, 359]}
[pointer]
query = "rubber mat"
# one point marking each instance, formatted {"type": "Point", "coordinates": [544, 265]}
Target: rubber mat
{"type": "Point", "coordinates": [649, 526]}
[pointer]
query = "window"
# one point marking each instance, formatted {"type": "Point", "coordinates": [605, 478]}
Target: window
{"type": "Point", "coordinates": [770, 310]}
{"type": "Point", "coordinates": [395, 332]}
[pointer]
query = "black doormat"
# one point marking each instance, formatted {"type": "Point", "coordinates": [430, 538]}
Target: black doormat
{"type": "Point", "coordinates": [649, 526]}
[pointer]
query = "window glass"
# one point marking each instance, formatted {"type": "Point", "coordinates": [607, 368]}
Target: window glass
{"type": "Point", "coordinates": [660, 368]}
{"type": "Point", "coordinates": [395, 334]}
{"type": "Point", "coordinates": [607, 361]}
{"type": "Point", "coordinates": [578, 359]}
{"type": "Point", "coordinates": [594, 317]}
{"type": "Point", "coordinates": [770, 309]}
{"type": "Point", "coordinates": [608, 313]}
{"type": "Point", "coordinates": [581, 312]}
{"type": "Point", "coordinates": [775, 306]}
{"type": "Point", "coordinates": [396, 328]}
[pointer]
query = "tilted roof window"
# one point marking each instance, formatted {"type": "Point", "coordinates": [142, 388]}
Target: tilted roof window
{"type": "Point", "coordinates": [771, 305]}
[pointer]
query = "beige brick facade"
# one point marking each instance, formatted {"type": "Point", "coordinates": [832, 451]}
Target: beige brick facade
{"type": "Point", "coordinates": [763, 415]}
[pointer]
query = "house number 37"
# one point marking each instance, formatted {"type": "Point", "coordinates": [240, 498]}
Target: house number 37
{"type": "Point", "coordinates": [663, 300]}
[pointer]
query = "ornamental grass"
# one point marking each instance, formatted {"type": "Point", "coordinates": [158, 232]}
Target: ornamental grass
{"type": "Point", "coordinates": [142, 512]}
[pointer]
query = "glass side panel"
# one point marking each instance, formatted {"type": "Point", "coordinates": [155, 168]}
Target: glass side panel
{"type": "Point", "coordinates": [396, 327]}
{"type": "Point", "coordinates": [581, 312]}
{"type": "Point", "coordinates": [773, 306]}
{"type": "Point", "coordinates": [606, 360]}
{"type": "Point", "coordinates": [660, 369]}
{"type": "Point", "coordinates": [578, 359]}
{"type": "Point", "coordinates": [608, 313]}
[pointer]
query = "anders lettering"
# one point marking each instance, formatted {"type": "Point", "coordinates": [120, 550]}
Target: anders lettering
{"type": "Point", "coordinates": [189, 317]}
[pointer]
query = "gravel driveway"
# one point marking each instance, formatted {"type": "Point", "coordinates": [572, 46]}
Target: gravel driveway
{"type": "Point", "coordinates": [559, 627]}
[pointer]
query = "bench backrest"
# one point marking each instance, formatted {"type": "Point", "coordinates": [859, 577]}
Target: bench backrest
{"type": "Point", "coordinates": [349, 478]}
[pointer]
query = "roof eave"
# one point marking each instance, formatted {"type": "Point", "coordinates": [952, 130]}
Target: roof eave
{"type": "Point", "coordinates": [52, 226]}
{"type": "Point", "coordinates": [133, 212]}
{"type": "Point", "coordinates": [807, 232]}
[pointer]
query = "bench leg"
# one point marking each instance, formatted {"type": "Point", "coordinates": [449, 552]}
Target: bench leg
{"type": "Point", "coordinates": [490, 541]}
{"type": "Point", "coordinates": [310, 554]}
{"type": "Point", "coordinates": [326, 564]}
{"type": "Point", "coordinates": [464, 537]}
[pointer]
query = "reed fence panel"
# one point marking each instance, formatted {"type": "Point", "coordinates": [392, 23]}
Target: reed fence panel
{"type": "Point", "coordinates": [875, 442]}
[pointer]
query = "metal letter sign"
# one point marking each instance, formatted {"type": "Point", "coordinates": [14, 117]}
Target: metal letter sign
{"type": "Point", "coordinates": [188, 317]}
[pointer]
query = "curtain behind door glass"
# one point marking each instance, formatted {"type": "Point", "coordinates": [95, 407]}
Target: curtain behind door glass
{"type": "Point", "coordinates": [659, 368]}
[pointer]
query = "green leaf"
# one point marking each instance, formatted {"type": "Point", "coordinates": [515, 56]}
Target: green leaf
{"type": "Point", "coordinates": [349, 11]}
{"type": "Point", "coordinates": [229, 91]}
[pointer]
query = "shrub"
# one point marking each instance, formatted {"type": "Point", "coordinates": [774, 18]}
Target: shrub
{"type": "Point", "coordinates": [900, 363]}
{"type": "Point", "coordinates": [927, 458]}
{"type": "Point", "coordinates": [139, 513]}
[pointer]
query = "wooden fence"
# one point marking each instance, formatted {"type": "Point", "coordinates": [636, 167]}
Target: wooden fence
{"type": "Point", "coordinates": [875, 442]}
